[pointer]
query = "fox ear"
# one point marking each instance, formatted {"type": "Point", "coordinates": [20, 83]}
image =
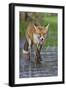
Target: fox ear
{"type": "Point", "coordinates": [35, 27]}
{"type": "Point", "coordinates": [47, 27]}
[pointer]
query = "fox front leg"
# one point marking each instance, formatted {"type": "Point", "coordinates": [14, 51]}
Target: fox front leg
{"type": "Point", "coordinates": [38, 57]}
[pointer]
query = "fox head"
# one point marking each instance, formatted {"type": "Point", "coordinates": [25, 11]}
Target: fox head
{"type": "Point", "coordinates": [40, 34]}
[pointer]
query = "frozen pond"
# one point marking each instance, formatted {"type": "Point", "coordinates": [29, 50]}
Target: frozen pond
{"type": "Point", "coordinates": [48, 67]}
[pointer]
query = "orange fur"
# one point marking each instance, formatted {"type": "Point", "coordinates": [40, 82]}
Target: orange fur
{"type": "Point", "coordinates": [38, 30]}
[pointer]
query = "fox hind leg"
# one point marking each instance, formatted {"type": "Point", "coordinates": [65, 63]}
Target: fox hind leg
{"type": "Point", "coordinates": [26, 50]}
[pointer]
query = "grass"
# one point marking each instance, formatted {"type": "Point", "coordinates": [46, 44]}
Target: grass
{"type": "Point", "coordinates": [23, 27]}
{"type": "Point", "coordinates": [52, 34]}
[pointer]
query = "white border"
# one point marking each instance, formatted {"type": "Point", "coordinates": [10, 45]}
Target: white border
{"type": "Point", "coordinates": [41, 79]}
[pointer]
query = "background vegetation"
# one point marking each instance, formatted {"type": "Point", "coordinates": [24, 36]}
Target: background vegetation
{"type": "Point", "coordinates": [43, 19]}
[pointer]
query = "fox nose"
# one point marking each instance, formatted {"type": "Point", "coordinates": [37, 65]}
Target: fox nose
{"type": "Point", "coordinates": [42, 39]}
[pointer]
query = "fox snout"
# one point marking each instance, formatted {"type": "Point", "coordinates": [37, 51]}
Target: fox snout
{"type": "Point", "coordinates": [41, 40]}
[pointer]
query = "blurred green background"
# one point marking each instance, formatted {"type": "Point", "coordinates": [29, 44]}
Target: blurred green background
{"type": "Point", "coordinates": [43, 19]}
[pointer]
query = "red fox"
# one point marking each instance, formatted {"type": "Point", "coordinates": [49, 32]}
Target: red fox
{"type": "Point", "coordinates": [35, 35]}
